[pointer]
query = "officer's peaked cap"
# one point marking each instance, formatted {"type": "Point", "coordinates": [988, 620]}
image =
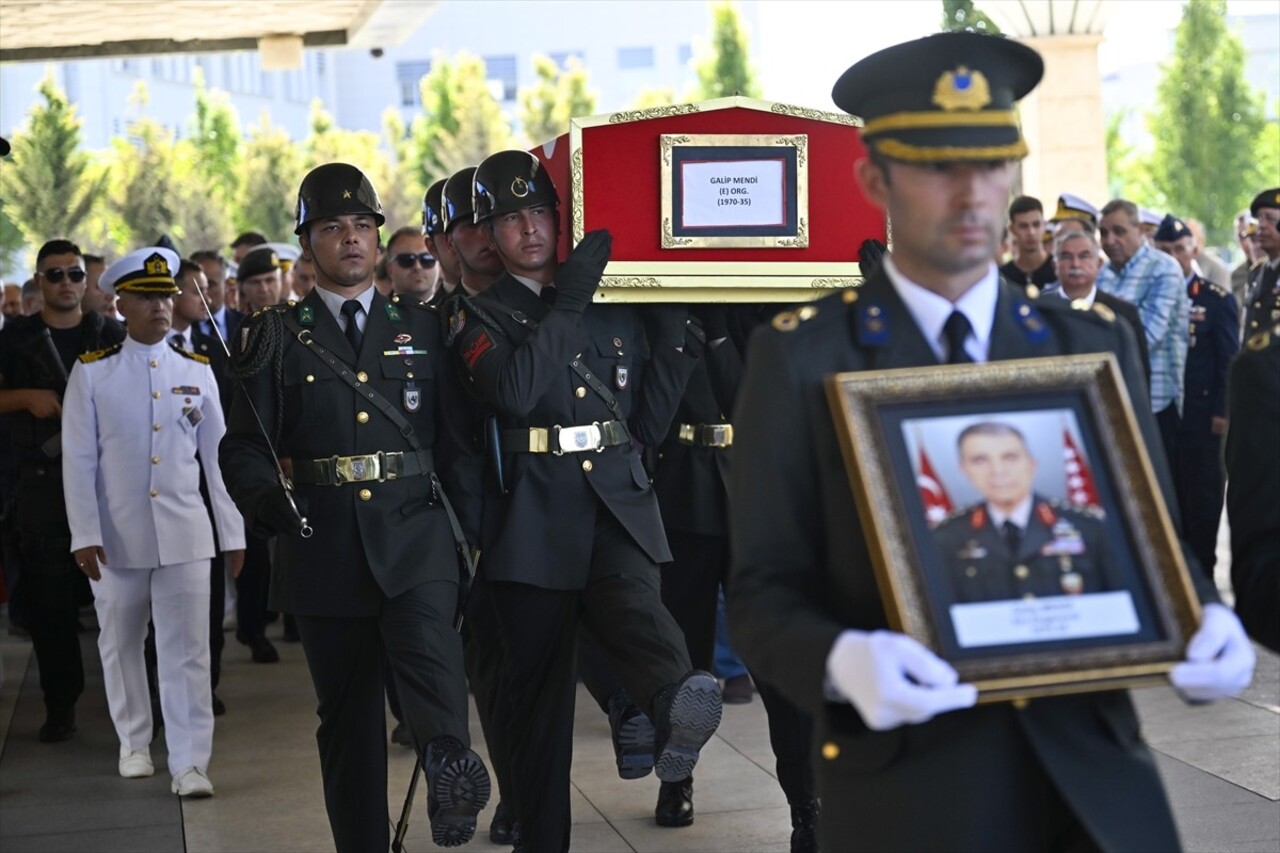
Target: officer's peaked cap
{"type": "Point", "coordinates": [509, 181]}
{"type": "Point", "coordinates": [147, 270]}
{"type": "Point", "coordinates": [943, 98]}
{"type": "Point", "coordinates": [1265, 199]}
{"type": "Point", "coordinates": [335, 189]}
{"type": "Point", "coordinates": [259, 260]}
{"type": "Point", "coordinates": [1171, 228]}
{"type": "Point", "coordinates": [1071, 206]}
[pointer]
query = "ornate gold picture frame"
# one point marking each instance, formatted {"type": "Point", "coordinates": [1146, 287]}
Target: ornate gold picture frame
{"type": "Point", "coordinates": [1087, 590]}
{"type": "Point", "coordinates": [734, 191]}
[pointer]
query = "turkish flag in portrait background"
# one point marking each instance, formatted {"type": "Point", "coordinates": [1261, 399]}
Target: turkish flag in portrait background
{"type": "Point", "coordinates": [937, 504]}
{"type": "Point", "coordinates": [1081, 490]}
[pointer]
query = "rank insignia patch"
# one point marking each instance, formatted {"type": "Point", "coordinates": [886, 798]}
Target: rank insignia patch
{"type": "Point", "coordinates": [621, 376]}
{"type": "Point", "coordinates": [306, 315]}
{"type": "Point", "coordinates": [393, 313]}
{"type": "Point", "coordinates": [481, 345]}
{"type": "Point", "coordinates": [412, 398]}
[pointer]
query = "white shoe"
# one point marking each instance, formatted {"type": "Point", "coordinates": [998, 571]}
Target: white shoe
{"type": "Point", "coordinates": [192, 783]}
{"type": "Point", "coordinates": [136, 764]}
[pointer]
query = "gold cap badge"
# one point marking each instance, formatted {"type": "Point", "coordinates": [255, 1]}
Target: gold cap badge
{"type": "Point", "coordinates": [157, 265]}
{"type": "Point", "coordinates": [961, 89]}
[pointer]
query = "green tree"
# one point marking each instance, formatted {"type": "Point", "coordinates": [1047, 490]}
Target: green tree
{"type": "Point", "coordinates": [270, 172]}
{"type": "Point", "coordinates": [47, 185]}
{"type": "Point", "coordinates": [403, 199]}
{"type": "Point", "coordinates": [11, 242]}
{"type": "Point", "coordinates": [462, 122]}
{"type": "Point", "coordinates": [328, 143]}
{"type": "Point", "coordinates": [215, 136]}
{"type": "Point", "coordinates": [961, 16]}
{"type": "Point", "coordinates": [724, 68]}
{"type": "Point", "coordinates": [1127, 173]}
{"type": "Point", "coordinates": [1207, 125]}
{"type": "Point", "coordinates": [143, 184]}
{"type": "Point", "coordinates": [556, 97]}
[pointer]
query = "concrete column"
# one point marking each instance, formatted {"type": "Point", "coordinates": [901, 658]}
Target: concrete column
{"type": "Point", "coordinates": [1063, 122]}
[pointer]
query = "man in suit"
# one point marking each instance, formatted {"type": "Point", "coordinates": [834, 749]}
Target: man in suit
{"type": "Point", "coordinates": [347, 384]}
{"type": "Point", "coordinates": [226, 318]}
{"type": "Point", "coordinates": [142, 431]}
{"type": "Point", "coordinates": [1253, 490]}
{"type": "Point", "coordinates": [1016, 543]}
{"type": "Point", "coordinates": [893, 724]}
{"type": "Point", "coordinates": [578, 534]}
{"type": "Point", "coordinates": [1212, 341]}
{"type": "Point", "coordinates": [1263, 309]}
{"type": "Point", "coordinates": [1078, 258]}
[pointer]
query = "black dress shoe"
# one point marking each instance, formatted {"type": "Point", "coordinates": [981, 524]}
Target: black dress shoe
{"type": "Point", "coordinates": [58, 726]}
{"type": "Point", "coordinates": [260, 648]}
{"type": "Point", "coordinates": [290, 634]}
{"type": "Point", "coordinates": [218, 708]}
{"type": "Point", "coordinates": [502, 827]}
{"type": "Point", "coordinates": [400, 735]}
{"type": "Point", "coordinates": [457, 790]}
{"type": "Point", "coordinates": [688, 715]}
{"type": "Point", "coordinates": [632, 732]}
{"type": "Point", "coordinates": [675, 803]}
{"type": "Point", "coordinates": [804, 827]}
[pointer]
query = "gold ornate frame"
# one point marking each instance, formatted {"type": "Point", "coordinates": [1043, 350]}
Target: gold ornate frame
{"type": "Point", "coordinates": [856, 399]}
{"type": "Point", "coordinates": [699, 281]}
{"type": "Point", "coordinates": [668, 142]}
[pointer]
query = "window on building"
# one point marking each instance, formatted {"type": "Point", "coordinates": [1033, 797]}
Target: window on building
{"type": "Point", "coordinates": [561, 57]}
{"type": "Point", "coordinates": [684, 53]}
{"type": "Point", "coordinates": [408, 76]}
{"type": "Point", "coordinates": [501, 71]}
{"type": "Point", "coordinates": [635, 57]}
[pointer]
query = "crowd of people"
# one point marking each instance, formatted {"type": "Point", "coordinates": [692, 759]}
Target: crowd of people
{"type": "Point", "coordinates": [454, 473]}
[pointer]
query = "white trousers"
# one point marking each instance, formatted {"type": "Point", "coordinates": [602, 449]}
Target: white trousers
{"type": "Point", "coordinates": [176, 599]}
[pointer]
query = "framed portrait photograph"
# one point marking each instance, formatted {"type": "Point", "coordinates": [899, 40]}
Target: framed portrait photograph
{"type": "Point", "coordinates": [734, 190]}
{"type": "Point", "coordinates": [1015, 522]}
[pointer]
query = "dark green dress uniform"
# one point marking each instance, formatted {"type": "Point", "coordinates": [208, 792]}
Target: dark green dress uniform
{"type": "Point", "coordinates": [1253, 485]}
{"type": "Point", "coordinates": [1262, 308]}
{"type": "Point", "coordinates": [1212, 342]}
{"type": "Point", "coordinates": [577, 536]}
{"type": "Point", "coordinates": [803, 574]}
{"type": "Point", "coordinates": [1062, 551]}
{"type": "Point", "coordinates": [50, 587]}
{"type": "Point", "coordinates": [381, 568]}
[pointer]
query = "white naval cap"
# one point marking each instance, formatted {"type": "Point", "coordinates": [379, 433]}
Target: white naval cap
{"type": "Point", "coordinates": [147, 270]}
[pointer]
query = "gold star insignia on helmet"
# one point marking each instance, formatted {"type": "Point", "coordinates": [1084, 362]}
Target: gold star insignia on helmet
{"type": "Point", "coordinates": [346, 193]}
{"type": "Point", "coordinates": [157, 265]}
{"type": "Point", "coordinates": [961, 89]}
{"type": "Point", "coordinates": [519, 187]}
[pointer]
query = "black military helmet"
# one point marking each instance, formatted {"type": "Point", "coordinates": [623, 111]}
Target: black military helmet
{"type": "Point", "coordinates": [510, 180]}
{"type": "Point", "coordinates": [433, 219]}
{"type": "Point", "coordinates": [335, 189]}
{"type": "Point", "coordinates": [457, 198]}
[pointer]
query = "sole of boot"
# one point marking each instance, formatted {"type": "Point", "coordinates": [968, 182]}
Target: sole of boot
{"type": "Point", "coordinates": [694, 716]}
{"type": "Point", "coordinates": [459, 792]}
{"type": "Point", "coordinates": [635, 747]}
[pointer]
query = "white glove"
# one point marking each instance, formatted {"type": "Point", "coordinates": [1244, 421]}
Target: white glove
{"type": "Point", "coordinates": [1219, 661]}
{"type": "Point", "coordinates": [891, 679]}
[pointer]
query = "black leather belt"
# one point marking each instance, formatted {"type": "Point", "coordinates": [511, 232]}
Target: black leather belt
{"type": "Point", "coordinates": [363, 468]}
{"type": "Point", "coordinates": [560, 440]}
{"type": "Point", "coordinates": [706, 435]}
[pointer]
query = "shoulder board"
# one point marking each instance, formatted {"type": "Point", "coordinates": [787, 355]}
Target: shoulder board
{"type": "Point", "coordinates": [98, 355]}
{"type": "Point", "coordinates": [823, 311]}
{"type": "Point", "coordinates": [1217, 289]}
{"type": "Point", "coordinates": [412, 302]}
{"type": "Point", "coordinates": [202, 359]}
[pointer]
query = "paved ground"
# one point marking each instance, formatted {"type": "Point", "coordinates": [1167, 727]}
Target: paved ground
{"type": "Point", "coordinates": [1221, 765]}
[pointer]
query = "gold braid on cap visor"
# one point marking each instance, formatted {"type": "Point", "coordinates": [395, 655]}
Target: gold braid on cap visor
{"type": "Point", "coordinates": [926, 120]}
{"type": "Point", "coordinates": [897, 150]}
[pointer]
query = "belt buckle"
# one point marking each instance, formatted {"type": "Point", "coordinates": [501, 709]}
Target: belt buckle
{"type": "Point", "coordinates": [719, 435]}
{"type": "Point", "coordinates": [688, 434]}
{"type": "Point", "coordinates": [577, 439]}
{"type": "Point", "coordinates": [357, 469]}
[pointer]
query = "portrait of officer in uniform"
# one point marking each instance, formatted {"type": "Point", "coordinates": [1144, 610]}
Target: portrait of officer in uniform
{"type": "Point", "coordinates": [1016, 543]}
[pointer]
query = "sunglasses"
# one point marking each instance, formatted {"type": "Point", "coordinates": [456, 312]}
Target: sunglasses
{"type": "Point", "coordinates": [54, 274]}
{"type": "Point", "coordinates": [408, 259]}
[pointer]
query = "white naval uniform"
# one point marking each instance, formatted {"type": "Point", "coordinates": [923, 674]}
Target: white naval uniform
{"type": "Point", "coordinates": [132, 423]}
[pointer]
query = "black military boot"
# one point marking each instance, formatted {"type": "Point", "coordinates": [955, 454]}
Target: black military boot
{"type": "Point", "coordinates": [457, 790]}
{"type": "Point", "coordinates": [804, 827]}
{"type": "Point", "coordinates": [688, 714]}
{"type": "Point", "coordinates": [502, 827]}
{"type": "Point", "coordinates": [632, 737]}
{"type": "Point", "coordinates": [675, 804]}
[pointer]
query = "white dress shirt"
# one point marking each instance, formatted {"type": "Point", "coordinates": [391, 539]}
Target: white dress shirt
{"type": "Point", "coordinates": [930, 311]}
{"type": "Point", "coordinates": [132, 423]}
{"type": "Point", "coordinates": [335, 301]}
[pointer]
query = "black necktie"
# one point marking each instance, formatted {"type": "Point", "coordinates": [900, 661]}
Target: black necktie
{"type": "Point", "coordinates": [1012, 537]}
{"type": "Point", "coordinates": [180, 340]}
{"type": "Point", "coordinates": [351, 309]}
{"type": "Point", "coordinates": [955, 330]}
{"type": "Point", "coordinates": [548, 294]}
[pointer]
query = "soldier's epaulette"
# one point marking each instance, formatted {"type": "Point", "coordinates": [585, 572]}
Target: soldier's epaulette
{"type": "Point", "coordinates": [196, 357]}
{"type": "Point", "coordinates": [962, 512]}
{"type": "Point", "coordinates": [411, 302]}
{"type": "Point", "coordinates": [823, 311]}
{"type": "Point", "coordinates": [1053, 304]}
{"type": "Point", "coordinates": [99, 355]}
{"type": "Point", "coordinates": [1217, 289]}
{"type": "Point", "coordinates": [1079, 509]}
